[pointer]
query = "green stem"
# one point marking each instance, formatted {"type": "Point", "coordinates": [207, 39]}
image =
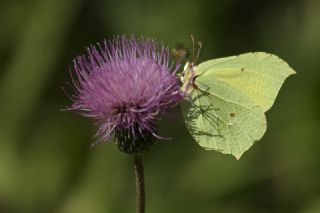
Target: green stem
{"type": "Point", "coordinates": [140, 193]}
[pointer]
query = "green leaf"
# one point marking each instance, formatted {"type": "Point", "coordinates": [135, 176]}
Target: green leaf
{"type": "Point", "coordinates": [228, 99]}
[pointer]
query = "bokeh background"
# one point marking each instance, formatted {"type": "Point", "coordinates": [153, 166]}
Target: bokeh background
{"type": "Point", "coordinates": [46, 163]}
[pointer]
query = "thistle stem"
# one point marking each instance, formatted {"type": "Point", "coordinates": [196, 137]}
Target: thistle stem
{"type": "Point", "coordinates": [140, 193]}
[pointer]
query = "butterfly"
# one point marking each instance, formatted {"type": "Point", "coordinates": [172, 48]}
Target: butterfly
{"type": "Point", "coordinates": [228, 98]}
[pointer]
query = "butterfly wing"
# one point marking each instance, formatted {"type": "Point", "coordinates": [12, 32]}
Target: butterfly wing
{"type": "Point", "coordinates": [226, 113]}
{"type": "Point", "coordinates": [230, 123]}
{"type": "Point", "coordinates": [258, 75]}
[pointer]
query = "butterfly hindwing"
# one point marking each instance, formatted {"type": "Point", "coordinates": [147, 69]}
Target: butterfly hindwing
{"type": "Point", "coordinates": [223, 124]}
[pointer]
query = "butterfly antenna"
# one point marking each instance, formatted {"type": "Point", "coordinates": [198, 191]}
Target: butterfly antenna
{"type": "Point", "coordinates": [192, 38]}
{"type": "Point", "coordinates": [199, 51]}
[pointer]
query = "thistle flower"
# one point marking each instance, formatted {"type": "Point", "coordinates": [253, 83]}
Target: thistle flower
{"type": "Point", "coordinates": [125, 85]}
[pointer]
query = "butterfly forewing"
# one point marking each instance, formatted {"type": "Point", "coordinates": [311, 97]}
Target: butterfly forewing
{"type": "Point", "coordinates": [258, 75]}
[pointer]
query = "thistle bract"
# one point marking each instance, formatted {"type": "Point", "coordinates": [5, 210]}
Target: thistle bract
{"type": "Point", "coordinates": [125, 85]}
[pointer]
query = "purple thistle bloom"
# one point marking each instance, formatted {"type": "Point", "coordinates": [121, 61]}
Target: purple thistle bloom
{"type": "Point", "coordinates": [125, 84]}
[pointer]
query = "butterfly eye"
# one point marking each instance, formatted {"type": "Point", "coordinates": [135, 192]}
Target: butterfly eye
{"type": "Point", "coordinates": [193, 82]}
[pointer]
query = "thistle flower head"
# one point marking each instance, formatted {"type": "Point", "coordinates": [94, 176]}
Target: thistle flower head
{"type": "Point", "coordinates": [124, 85]}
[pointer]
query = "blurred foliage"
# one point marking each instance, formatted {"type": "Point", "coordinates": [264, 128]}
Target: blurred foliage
{"type": "Point", "coordinates": [46, 164]}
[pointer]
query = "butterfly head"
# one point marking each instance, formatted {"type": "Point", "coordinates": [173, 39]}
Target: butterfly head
{"type": "Point", "coordinates": [189, 71]}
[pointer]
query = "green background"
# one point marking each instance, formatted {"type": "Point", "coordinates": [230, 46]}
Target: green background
{"type": "Point", "coordinates": [46, 163]}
